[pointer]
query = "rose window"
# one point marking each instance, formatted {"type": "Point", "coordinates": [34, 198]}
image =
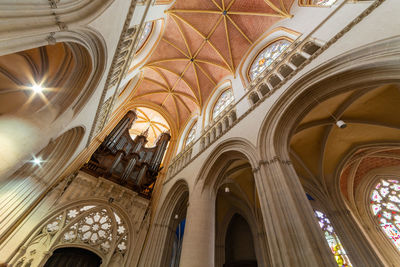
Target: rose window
{"type": "Point", "coordinates": [101, 228]}
{"type": "Point", "coordinates": [95, 227]}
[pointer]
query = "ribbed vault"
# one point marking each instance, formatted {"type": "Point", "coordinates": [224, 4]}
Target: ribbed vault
{"type": "Point", "coordinates": [203, 42]}
{"type": "Point", "coordinates": [61, 69]}
{"type": "Point", "coordinates": [151, 121]}
{"type": "Point", "coordinates": [362, 162]}
{"type": "Point", "coordinates": [319, 147]}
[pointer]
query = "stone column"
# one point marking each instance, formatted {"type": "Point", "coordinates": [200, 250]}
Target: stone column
{"type": "Point", "coordinates": [294, 236]}
{"type": "Point", "coordinates": [199, 237]}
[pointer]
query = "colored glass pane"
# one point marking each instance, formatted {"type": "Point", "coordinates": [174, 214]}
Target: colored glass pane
{"type": "Point", "coordinates": [266, 57]}
{"type": "Point", "coordinates": [145, 35]}
{"type": "Point", "coordinates": [385, 205]}
{"type": "Point", "coordinates": [333, 240]}
{"type": "Point", "coordinates": [191, 134]}
{"type": "Point", "coordinates": [324, 2]}
{"type": "Point", "coordinates": [223, 101]}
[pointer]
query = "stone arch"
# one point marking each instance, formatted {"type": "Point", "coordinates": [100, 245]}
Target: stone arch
{"type": "Point", "coordinates": [245, 210]}
{"type": "Point", "coordinates": [351, 71]}
{"type": "Point", "coordinates": [234, 249]}
{"type": "Point", "coordinates": [278, 125]}
{"type": "Point", "coordinates": [82, 41]}
{"type": "Point", "coordinates": [86, 49]}
{"type": "Point", "coordinates": [70, 14]}
{"type": "Point", "coordinates": [73, 255]}
{"type": "Point", "coordinates": [231, 149]}
{"type": "Point", "coordinates": [158, 252]}
{"type": "Point", "coordinates": [58, 230]}
{"type": "Point", "coordinates": [30, 181]}
{"type": "Point", "coordinates": [363, 198]}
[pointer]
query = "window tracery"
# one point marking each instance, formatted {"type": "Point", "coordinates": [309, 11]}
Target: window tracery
{"type": "Point", "coordinates": [96, 226]}
{"type": "Point", "coordinates": [148, 27]}
{"type": "Point", "coordinates": [385, 206]}
{"type": "Point", "coordinates": [318, 3]}
{"type": "Point", "coordinates": [267, 56]}
{"type": "Point", "coordinates": [222, 102]}
{"type": "Point", "coordinates": [333, 240]}
{"type": "Point", "coordinates": [191, 135]}
{"type": "Point", "coordinates": [323, 2]}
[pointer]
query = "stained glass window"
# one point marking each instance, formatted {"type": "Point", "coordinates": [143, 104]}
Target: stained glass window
{"type": "Point", "coordinates": [223, 101]}
{"type": "Point", "coordinates": [145, 35]}
{"type": "Point", "coordinates": [333, 240]}
{"type": "Point", "coordinates": [100, 227]}
{"type": "Point", "coordinates": [191, 134]}
{"type": "Point", "coordinates": [324, 2]}
{"type": "Point", "coordinates": [385, 205]}
{"type": "Point", "coordinates": [266, 57]}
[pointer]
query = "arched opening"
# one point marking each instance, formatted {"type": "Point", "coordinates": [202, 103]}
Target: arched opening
{"type": "Point", "coordinates": [326, 157]}
{"type": "Point", "coordinates": [39, 88]}
{"type": "Point", "coordinates": [66, 257]}
{"type": "Point", "coordinates": [239, 244]}
{"type": "Point", "coordinates": [267, 56]}
{"type": "Point", "coordinates": [191, 134]}
{"type": "Point", "coordinates": [237, 210]}
{"type": "Point", "coordinates": [317, 3]}
{"type": "Point", "coordinates": [222, 102]}
{"type": "Point", "coordinates": [165, 237]}
{"type": "Point", "coordinates": [254, 98]}
{"type": "Point", "coordinates": [98, 226]}
{"type": "Point", "coordinates": [173, 245]}
{"type": "Point", "coordinates": [319, 147]}
{"type": "Point", "coordinates": [24, 187]}
{"type": "Point", "coordinates": [177, 246]}
{"type": "Point", "coordinates": [51, 75]}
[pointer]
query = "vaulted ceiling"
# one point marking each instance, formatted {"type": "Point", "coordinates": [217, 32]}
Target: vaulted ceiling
{"type": "Point", "coordinates": [53, 67]}
{"type": "Point", "coordinates": [319, 148]}
{"type": "Point", "coordinates": [150, 121]}
{"type": "Point", "coordinates": [204, 41]}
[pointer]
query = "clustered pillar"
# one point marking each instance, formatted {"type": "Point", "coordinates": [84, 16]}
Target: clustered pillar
{"type": "Point", "coordinates": [293, 234]}
{"type": "Point", "coordinates": [199, 238]}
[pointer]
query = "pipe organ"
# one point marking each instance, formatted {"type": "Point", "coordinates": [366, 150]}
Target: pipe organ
{"type": "Point", "coordinates": [128, 162]}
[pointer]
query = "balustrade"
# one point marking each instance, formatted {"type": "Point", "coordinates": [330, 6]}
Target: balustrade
{"type": "Point", "coordinates": [295, 56]}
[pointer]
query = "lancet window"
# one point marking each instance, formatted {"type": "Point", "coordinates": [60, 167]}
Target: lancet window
{"type": "Point", "coordinates": [267, 56]}
{"type": "Point", "coordinates": [222, 102]}
{"type": "Point", "coordinates": [333, 240]}
{"type": "Point", "coordinates": [324, 2]}
{"type": "Point", "coordinates": [385, 206]}
{"type": "Point", "coordinates": [148, 27]}
{"type": "Point", "coordinates": [321, 3]}
{"type": "Point", "coordinates": [191, 135]}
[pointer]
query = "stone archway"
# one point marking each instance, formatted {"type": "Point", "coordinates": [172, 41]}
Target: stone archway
{"type": "Point", "coordinates": [348, 77]}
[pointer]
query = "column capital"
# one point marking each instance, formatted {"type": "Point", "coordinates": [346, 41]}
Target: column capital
{"type": "Point", "coordinates": [275, 159]}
